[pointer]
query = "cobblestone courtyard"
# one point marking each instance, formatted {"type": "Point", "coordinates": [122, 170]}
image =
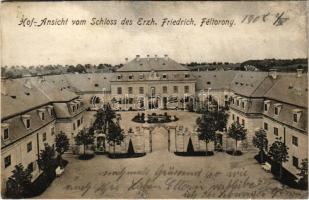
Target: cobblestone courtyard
{"type": "Point", "coordinates": [161, 174]}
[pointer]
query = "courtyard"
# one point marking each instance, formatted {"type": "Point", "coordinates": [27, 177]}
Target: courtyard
{"type": "Point", "coordinates": [162, 174]}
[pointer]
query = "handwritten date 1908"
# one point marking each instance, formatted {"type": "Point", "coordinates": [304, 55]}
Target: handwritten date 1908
{"type": "Point", "coordinates": [277, 19]}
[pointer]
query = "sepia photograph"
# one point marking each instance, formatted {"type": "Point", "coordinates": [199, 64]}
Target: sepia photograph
{"type": "Point", "coordinates": [154, 99]}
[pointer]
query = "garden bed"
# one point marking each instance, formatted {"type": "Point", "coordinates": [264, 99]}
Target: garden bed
{"type": "Point", "coordinates": [196, 153]}
{"type": "Point", "coordinates": [125, 155]}
{"type": "Point", "coordinates": [154, 118]}
{"type": "Point", "coordinates": [234, 153]}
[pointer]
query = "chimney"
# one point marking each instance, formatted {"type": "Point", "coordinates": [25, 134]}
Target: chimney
{"type": "Point", "coordinates": [166, 57]}
{"type": "Point", "coordinates": [299, 72]}
{"type": "Point", "coordinates": [126, 59]}
{"type": "Point", "coordinates": [156, 57]}
{"type": "Point", "coordinates": [148, 58]}
{"type": "Point", "coordinates": [137, 57]}
{"type": "Point", "coordinates": [273, 73]}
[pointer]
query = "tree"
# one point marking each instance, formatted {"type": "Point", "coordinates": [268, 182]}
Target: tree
{"type": "Point", "coordinates": [206, 128]}
{"type": "Point", "coordinates": [238, 133]}
{"type": "Point", "coordinates": [19, 183]}
{"type": "Point", "coordinates": [84, 138]}
{"type": "Point", "coordinates": [114, 134]}
{"type": "Point", "coordinates": [46, 161]}
{"type": "Point", "coordinates": [303, 173]}
{"type": "Point", "coordinates": [260, 141]}
{"type": "Point", "coordinates": [221, 118]}
{"type": "Point", "coordinates": [103, 117]}
{"type": "Point", "coordinates": [62, 145]}
{"type": "Point", "coordinates": [279, 154]}
{"type": "Point", "coordinates": [190, 148]}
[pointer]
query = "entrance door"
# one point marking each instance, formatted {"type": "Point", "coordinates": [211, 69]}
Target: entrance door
{"type": "Point", "coordinates": [160, 139]}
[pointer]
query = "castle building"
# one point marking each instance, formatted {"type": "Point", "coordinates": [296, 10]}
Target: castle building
{"type": "Point", "coordinates": [155, 82]}
{"type": "Point", "coordinates": [33, 111]}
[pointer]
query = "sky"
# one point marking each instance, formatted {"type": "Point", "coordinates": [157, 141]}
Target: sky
{"type": "Point", "coordinates": [112, 44]}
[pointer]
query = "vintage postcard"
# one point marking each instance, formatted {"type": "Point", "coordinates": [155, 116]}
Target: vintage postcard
{"type": "Point", "coordinates": [154, 99]}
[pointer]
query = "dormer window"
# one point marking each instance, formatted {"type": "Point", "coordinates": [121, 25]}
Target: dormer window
{"type": "Point", "coordinates": [6, 134]}
{"type": "Point", "coordinates": [164, 76]}
{"type": "Point", "coordinates": [41, 113]}
{"type": "Point", "coordinates": [5, 128]}
{"type": "Point", "coordinates": [278, 107]}
{"type": "Point", "coordinates": [187, 75]}
{"type": "Point", "coordinates": [266, 105]}
{"type": "Point", "coordinates": [26, 121]}
{"type": "Point", "coordinates": [243, 104]}
{"type": "Point", "coordinates": [130, 76]}
{"type": "Point", "coordinates": [237, 102]}
{"type": "Point", "coordinates": [296, 115]}
{"type": "Point", "coordinates": [49, 109]}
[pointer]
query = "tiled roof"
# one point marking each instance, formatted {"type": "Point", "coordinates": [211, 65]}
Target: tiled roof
{"type": "Point", "coordinates": [17, 128]}
{"type": "Point", "coordinates": [19, 95]}
{"type": "Point", "coordinates": [149, 64]}
{"type": "Point", "coordinates": [213, 79]}
{"type": "Point", "coordinates": [290, 89]}
{"type": "Point", "coordinates": [251, 84]}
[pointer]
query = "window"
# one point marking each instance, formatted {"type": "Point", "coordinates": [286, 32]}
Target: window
{"type": "Point", "coordinates": [78, 123]}
{"type": "Point", "coordinates": [186, 88]}
{"type": "Point", "coordinates": [265, 107]}
{"type": "Point", "coordinates": [119, 77]}
{"type": "Point", "coordinates": [237, 119]}
{"type": "Point", "coordinates": [29, 146]}
{"type": "Point", "coordinates": [295, 161]}
{"type": "Point", "coordinates": [208, 82]}
{"type": "Point", "coordinates": [52, 130]}
{"type": "Point", "coordinates": [30, 167]}
{"type": "Point", "coordinates": [141, 90]}
{"type": "Point", "coordinates": [130, 90]}
{"type": "Point", "coordinates": [96, 85]}
{"type": "Point", "coordinates": [233, 101]}
{"type": "Point", "coordinates": [243, 122]}
{"type": "Point", "coordinates": [233, 117]}
{"type": "Point", "coordinates": [164, 88]}
{"type": "Point", "coordinates": [141, 76]}
{"type": "Point", "coordinates": [74, 126]}
{"type": "Point", "coordinates": [77, 106]}
{"type": "Point", "coordinates": [243, 104]}
{"type": "Point", "coordinates": [276, 111]}
{"type": "Point", "coordinates": [119, 90]}
{"type": "Point", "coordinates": [44, 137]}
{"type": "Point", "coordinates": [43, 116]}
{"type": "Point", "coordinates": [28, 123]}
{"type": "Point", "coordinates": [295, 140]}
{"type": "Point", "coordinates": [7, 161]}
{"type": "Point", "coordinates": [276, 131]}
{"type": "Point", "coordinates": [175, 89]}
{"type": "Point", "coordinates": [81, 120]}
{"type": "Point", "coordinates": [153, 91]}
{"type": "Point", "coordinates": [6, 134]}
{"type": "Point", "coordinates": [131, 77]}
{"type": "Point", "coordinates": [295, 118]}
{"type": "Point", "coordinates": [73, 108]}
{"type": "Point", "coordinates": [187, 75]}
{"type": "Point", "coordinates": [265, 126]}
{"type": "Point", "coordinates": [164, 76]}
{"type": "Point", "coordinates": [237, 102]}
{"type": "Point", "coordinates": [277, 108]}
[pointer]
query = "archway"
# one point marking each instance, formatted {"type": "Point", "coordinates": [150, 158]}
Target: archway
{"type": "Point", "coordinates": [160, 139]}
